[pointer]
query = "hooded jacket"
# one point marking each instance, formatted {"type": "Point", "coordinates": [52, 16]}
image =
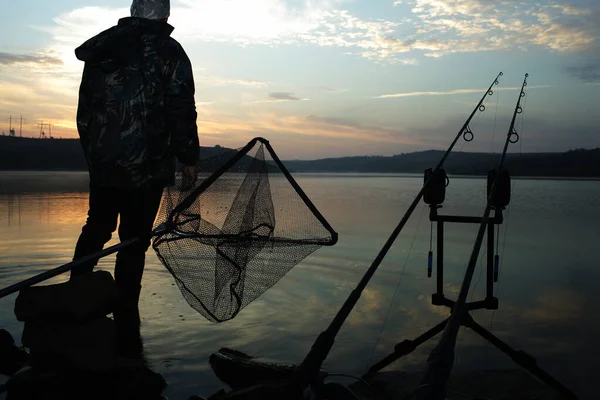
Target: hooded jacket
{"type": "Point", "coordinates": [136, 114]}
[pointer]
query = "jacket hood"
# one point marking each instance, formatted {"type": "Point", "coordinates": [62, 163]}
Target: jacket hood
{"type": "Point", "coordinates": [120, 41]}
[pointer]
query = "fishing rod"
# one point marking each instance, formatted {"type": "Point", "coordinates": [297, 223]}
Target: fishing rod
{"type": "Point", "coordinates": [441, 359]}
{"type": "Point", "coordinates": [309, 369]}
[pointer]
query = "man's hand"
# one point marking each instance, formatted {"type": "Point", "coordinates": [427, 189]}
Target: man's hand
{"type": "Point", "coordinates": [189, 175]}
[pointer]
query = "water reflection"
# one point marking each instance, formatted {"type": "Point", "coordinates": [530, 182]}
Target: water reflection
{"type": "Point", "coordinates": [42, 209]}
{"type": "Point", "coordinates": [547, 283]}
{"type": "Point", "coordinates": [13, 209]}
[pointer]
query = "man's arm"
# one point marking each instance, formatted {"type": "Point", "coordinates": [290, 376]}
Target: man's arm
{"type": "Point", "coordinates": [181, 113]}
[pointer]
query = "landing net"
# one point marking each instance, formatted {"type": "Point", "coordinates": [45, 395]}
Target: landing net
{"type": "Point", "coordinates": [238, 231]}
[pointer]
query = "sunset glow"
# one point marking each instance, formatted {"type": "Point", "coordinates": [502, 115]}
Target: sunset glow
{"type": "Point", "coordinates": [335, 77]}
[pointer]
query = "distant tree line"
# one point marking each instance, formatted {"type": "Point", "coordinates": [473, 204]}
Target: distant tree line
{"type": "Point", "coordinates": [573, 163]}
{"type": "Point", "coordinates": [67, 155]}
{"type": "Point", "coordinates": [30, 154]}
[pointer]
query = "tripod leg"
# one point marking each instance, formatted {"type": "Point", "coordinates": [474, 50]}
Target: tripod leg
{"type": "Point", "coordinates": [405, 347]}
{"type": "Point", "coordinates": [520, 357]}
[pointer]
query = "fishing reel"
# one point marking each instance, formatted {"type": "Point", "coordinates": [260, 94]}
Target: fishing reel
{"type": "Point", "coordinates": [501, 195]}
{"type": "Point", "coordinates": [435, 192]}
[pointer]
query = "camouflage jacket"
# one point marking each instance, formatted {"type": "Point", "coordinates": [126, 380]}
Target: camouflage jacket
{"type": "Point", "coordinates": [136, 114]}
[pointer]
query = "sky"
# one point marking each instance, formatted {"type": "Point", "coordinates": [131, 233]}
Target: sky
{"type": "Point", "coordinates": [333, 78]}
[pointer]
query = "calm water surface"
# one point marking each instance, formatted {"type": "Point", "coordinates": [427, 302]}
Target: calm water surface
{"type": "Point", "coordinates": [547, 287]}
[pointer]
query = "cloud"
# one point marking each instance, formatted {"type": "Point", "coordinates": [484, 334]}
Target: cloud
{"type": "Point", "coordinates": [547, 132]}
{"type": "Point", "coordinates": [276, 97]}
{"type": "Point", "coordinates": [52, 104]}
{"type": "Point", "coordinates": [261, 22]}
{"type": "Point", "coordinates": [13, 59]}
{"type": "Point", "coordinates": [452, 92]}
{"type": "Point", "coordinates": [588, 71]}
{"type": "Point", "coordinates": [283, 96]}
{"type": "Point", "coordinates": [305, 136]}
{"type": "Point", "coordinates": [351, 123]}
{"type": "Point", "coordinates": [41, 88]}
{"type": "Point", "coordinates": [331, 90]}
{"type": "Point", "coordinates": [409, 61]}
{"type": "Point", "coordinates": [435, 28]}
{"type": "Point", "coordinates": [411, 94]}
{"type": "Point", "coordinates": [484, 25]}
{"type": "Point", "coordinates": [215, 81]}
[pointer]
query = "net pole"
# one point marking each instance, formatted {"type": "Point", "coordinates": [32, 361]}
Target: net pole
{"type": "Point", "coordinates": [66, 267]}
{"type": "Point", "coordinates": [309, 368]}
{"type": "Point", "coordinates": [441, 359]}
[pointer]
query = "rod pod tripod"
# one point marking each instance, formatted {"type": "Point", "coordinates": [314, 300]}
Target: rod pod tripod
{"type": "Point", "coordinates": [434, 197]}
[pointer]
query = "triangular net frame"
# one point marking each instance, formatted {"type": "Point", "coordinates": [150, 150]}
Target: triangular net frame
{"type": "Point", "coordinates": [243, 226]}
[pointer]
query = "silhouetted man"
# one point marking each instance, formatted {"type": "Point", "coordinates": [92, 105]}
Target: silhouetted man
{"type": "Point", "coordinates": [136, 116]}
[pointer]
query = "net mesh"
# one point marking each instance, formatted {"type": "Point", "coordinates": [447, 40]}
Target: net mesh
{"type": "Point", "coordinates": [244, 225]}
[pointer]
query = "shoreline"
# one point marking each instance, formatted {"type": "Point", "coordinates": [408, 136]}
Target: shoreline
{"type": "Point", "coordinates": [346, 174]}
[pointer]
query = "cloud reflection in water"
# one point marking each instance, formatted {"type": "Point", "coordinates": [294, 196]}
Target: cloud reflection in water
{"type": "Point", "coordinates": [547, 289]}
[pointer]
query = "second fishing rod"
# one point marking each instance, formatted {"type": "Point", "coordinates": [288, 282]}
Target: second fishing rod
{"type": "Point", "coordinates": [309, 369]}
{"type": "Point", "coordinates": [441, 359]}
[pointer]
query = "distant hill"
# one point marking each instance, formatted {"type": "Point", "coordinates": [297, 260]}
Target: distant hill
{"type": "Point", "coordinates": [573, 163]}
{"type": "Point", "coordinates": [66, 155]}
{"type": "Point", "coordinates": [29, 154]}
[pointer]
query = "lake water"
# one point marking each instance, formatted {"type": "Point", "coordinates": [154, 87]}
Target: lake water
{"type": "Point", "coordinates": [548, 285]}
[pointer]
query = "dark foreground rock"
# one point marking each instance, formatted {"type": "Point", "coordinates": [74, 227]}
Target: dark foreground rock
{"type": "Point", "coordinates": [127, 382]}
{"type": "Point", "coordinates": [75, 351]}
